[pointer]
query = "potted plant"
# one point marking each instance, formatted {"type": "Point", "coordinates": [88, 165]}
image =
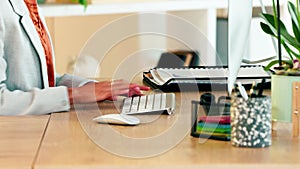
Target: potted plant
{"type": "Point", "coordinates": [82, 2]}
{"type": "Point", "coordinates": [286, 70]}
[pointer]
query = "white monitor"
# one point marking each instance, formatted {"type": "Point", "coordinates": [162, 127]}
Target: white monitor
{"type": "Point", "coordinates": [239, 23]}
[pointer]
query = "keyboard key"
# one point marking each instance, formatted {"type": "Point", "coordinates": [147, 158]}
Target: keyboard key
{"type": "Point", "coordinates": [126, 105]}
{"type": "Point", "coordinates": [157, 102]}
{"type": "Point", "coordinates": [163, 100]}
{"type": "Point", "coordinates": [135, 104]}
{"type": "Point", "coordinates": [142, 105]}
{"type": "Point", "coordinates": [150, 99]}
{"type": "Point", "coordinates": [170, 103]}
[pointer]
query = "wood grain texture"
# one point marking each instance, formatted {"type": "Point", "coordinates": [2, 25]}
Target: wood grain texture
{"type": "Point", "coordinates": [68, 144]}
{"type": "Point", "coordinates": [20, 138]}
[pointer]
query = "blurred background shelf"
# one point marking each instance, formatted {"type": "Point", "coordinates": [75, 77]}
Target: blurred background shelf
{"type": "Point", "coordinates": [71, 26]}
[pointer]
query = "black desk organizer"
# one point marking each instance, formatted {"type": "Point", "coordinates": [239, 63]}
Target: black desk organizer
{"type": "Point", "coordinates": [217, 110]}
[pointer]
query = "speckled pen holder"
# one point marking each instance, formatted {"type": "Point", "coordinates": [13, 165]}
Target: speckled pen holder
{"type": "Point", "coordinates": [251, 122]}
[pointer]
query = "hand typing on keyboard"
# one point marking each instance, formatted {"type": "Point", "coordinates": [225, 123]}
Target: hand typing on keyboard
{"type": "Point", "coordinates": [105, 90]}
{"type": "Point", "coordinates": [159, 102]}
{"type": "Point", "coordinates": [136, 90]}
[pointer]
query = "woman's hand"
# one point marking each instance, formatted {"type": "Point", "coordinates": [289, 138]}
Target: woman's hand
{"type": "Point", "coordinates": [106, 90]}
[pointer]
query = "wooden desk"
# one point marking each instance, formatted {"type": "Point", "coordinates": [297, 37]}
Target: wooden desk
{"type": "Point", "coordinates": [20, 137]}
{"type": "Point", "coordinates": [67, 145]}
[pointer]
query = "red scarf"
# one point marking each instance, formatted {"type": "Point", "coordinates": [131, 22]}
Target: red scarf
{"type": "Point", "coordinates": [33, 9]}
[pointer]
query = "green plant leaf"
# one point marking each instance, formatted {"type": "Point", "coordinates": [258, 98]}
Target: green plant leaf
{"type": "Point", "coordinates": [296, 31]}
{"type": "Point", "coordinates": [295, 22]}
{"type": "Point", "coordinates": [266, 28]}
{"type": "Point", "coordinates": [82, 2]}
{"type": "Point", "coordinates": [297, 11]}
{"type": "Point", "coordinates": [271, 64]}
{"type": "Point", "coordinates": [275, 13]}
{"type": "Point", "coordinates": [274, 62]}
{"type": "Point", "coordinates": [269, 19]}
{"type": "Point", "coordinates": [291, 53]}
{"type": "Point", "coordinates": [288, 50]}
{"type": "Point", "coordinates": [288, 62]}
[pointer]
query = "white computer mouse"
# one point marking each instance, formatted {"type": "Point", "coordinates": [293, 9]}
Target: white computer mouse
{"type": "Point", "coordinates": [118, 119]}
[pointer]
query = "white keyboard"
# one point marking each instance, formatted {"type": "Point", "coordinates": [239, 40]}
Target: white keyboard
{"type": "Point", "coordinates": [159, 102]}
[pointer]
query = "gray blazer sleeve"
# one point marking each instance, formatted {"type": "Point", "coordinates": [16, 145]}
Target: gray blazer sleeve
{"type": "Point", "coordinates": [71, 80]}
{"type": "Point", "coordinates": [23, 80]}
{"type": "Point", "coordinates": [34, 102]}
